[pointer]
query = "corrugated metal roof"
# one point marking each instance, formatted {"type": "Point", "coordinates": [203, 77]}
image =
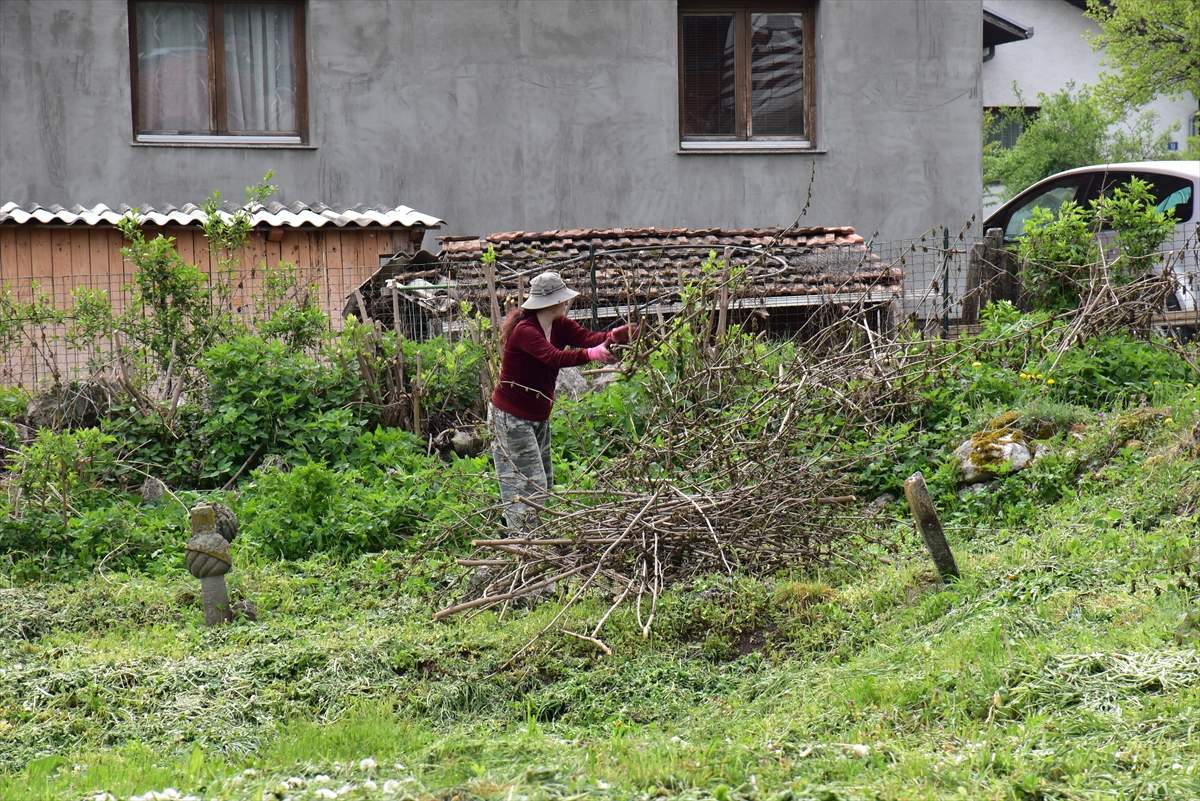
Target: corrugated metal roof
{"type": "Point", "coordinates": [274, 215]}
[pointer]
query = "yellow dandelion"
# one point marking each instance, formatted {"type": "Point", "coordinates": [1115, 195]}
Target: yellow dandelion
{"type": "Point", "coordinates": [1169, 421]}
{"type": "Point", "coordinates": [977, 365]}
{"type": "Point", "coordinates": [1049, 380]}
{"type": "Point", "coordinates": [1023, 376]}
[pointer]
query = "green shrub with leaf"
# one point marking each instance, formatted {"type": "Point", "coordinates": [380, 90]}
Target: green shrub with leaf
{"type": "Point", "coordinates": [118, 535]}
{"type": "Point", "coordinates": [1056, 251]}
{"type": "Point", "coordinates": [1060, 249]}
{"type": "Point", "coordinates": [64, 472]}
{"type": "Point", "coordinates": [1140, 227]}
{"type": "Point", "coordinates": [288, 310]}
{"type": "Point", "coordinates": [263, 398]}
{"type": "Point", "coordinates": [172, 318]}
{"type": "Point", "coordinates": [1071, 129]}
{"type": "Point", "coordinates": [315, 508]}
{"type": "Point", "coordinates": [168, 446]}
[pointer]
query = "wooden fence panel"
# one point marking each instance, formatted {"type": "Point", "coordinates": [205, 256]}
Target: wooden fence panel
{"type": "Point", "coordinates": [60, 258]}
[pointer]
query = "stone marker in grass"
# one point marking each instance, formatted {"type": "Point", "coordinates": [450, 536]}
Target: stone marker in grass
{"type": "Point", "coordinates": [207, 557]}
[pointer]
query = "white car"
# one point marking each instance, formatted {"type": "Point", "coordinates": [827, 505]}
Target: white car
{"type": "Point", "coordinates": [1175, 184]}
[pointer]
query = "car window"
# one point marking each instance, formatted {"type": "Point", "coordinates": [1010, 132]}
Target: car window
{"type": "Point", "coordinates": [1179, 202]}
{"type": "Point", "coordinates": [1049, 197]}
{"type": "Point", "coordinates": [1169, 191]}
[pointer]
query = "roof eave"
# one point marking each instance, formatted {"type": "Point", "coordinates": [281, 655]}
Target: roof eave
{"type": "Point", "coordinates": [998, 29]}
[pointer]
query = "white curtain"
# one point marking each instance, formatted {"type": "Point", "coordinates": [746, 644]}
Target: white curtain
{"type": "Point", "coordinates": [259, 67]}
{"type": "Point", "coordinates": [172, 40]}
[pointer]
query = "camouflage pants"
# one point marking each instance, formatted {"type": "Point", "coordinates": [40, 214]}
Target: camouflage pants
{"type": "Point", "coordinates": [521, 451]}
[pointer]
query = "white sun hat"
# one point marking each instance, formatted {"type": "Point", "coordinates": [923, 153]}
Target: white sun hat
{"type": "Point", "coordinates": [547, 289]}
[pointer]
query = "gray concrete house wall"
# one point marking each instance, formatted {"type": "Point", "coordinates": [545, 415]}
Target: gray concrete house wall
{"type": "Point", "coordinates": [518, 114]}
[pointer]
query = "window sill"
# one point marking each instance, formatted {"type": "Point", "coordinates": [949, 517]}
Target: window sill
{"type": "Point", "coordinates": [761, 147]}
{"type": "Point", "coordinates": [238, 142]}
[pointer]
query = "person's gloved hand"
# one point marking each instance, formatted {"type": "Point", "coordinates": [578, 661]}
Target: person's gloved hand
{"type": "Point", "coordinates": [600, 353]}
{"type": "Point", "coordinates": [624, 334]}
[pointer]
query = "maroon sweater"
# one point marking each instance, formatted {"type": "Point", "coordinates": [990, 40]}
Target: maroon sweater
{"type": "Point", "coordinates": [530, 363]}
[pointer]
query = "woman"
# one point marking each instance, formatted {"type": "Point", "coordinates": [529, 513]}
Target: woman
{"type": "Point", "coordinates": [537, 340]}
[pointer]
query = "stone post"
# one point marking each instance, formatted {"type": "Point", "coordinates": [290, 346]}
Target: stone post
{"type": "Point", "coordinates": [207, 557]}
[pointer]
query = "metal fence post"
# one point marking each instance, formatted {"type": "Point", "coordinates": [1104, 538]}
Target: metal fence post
{"type": "Point", "coordinates": [592, 269]}
{"type": "Point", "coordinates": [945, 282]}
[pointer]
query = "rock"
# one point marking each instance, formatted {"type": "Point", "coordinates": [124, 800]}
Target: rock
{"type": "Point", "coordinates": [990, 452]}
{"type": "Point", "coordinates": [153, 490]}
{"type": "Point", "coordinates": [973, 489]}
{"type": "Point", "coordinates": [1039, 450]}
{"type": "Point", "coordinates": [571, 383]}
{"type": "Point", "coordinates": [25, 434]}
{"type": "Point", "coordinates": [462, 442]}
{"type": "Point", "coordinates": [466, 443]}
{"type": "Point", "coordinates": [77, 404]}
{"type": "Point", "coordinates": [227, 522]}
{"type": "Point", "coordinates": [245, 608]}
{"type": "Point", "coordinates": [880, 503]}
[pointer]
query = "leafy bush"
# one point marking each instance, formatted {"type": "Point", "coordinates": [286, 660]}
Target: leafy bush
{"type": "Point", "coordinates": [173, 317]}
{"type": "Point", "coordinates": [292, 314]}
{"type": "Point", "coordinates": [1055, 250]}
{"type": "Point", "coordinates": [385, 493]}
{"type": "Point", "coordinates": [169, 448]}
{"type": "Point", "coordinates": [299, 326]}
{"type": "Point", "coordinates": [1059, 249]}
{"type": "Point", "coordinates": [1115, 370]}
{"type": "Point", "coordinates": [313, 508]}
{"type": "Point", "coordinates": [13, 402]}
{"type": "Point", "coordinates": [65, 472]}
{"type": "Point", "coordinates": [265, 398]}
{"type": "Point", "coordinates": [449, 377]}
{"type": "Point", "coordinates": [1070, 130]}
{"type": "Point", "coordinates": [1131, 212]}
{"type": "Point", "coordinates": [120, 535]}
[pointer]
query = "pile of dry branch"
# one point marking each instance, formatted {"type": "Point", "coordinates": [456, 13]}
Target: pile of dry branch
{"type": "Point", "coordinates": [724, 469]}
{"type": "Point", "coordinates": [714, 476]}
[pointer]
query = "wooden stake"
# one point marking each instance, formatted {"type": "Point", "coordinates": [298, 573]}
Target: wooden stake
{"type": "Point", "coordinates": [416, 396]}
{"type": "Point", "coordinates": [490, 271]}
{"type": "Point", "coordinates": [926, 516]}
{"type": "Point", "coordinates": [485, 371]}
{"type": "Point", "coordinates": [398, 362]}
{"type": "Point", "coordinates": [723, 295]}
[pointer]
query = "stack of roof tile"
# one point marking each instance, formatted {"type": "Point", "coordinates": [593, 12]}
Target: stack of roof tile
{"type": "Point", "coordinates": [654, 263]}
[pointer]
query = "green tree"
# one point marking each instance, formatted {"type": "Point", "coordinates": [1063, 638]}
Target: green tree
{"type": "Point", "coordinates": [1151, 46]}
{"type": "Point", "coordinates": [1070, 130]}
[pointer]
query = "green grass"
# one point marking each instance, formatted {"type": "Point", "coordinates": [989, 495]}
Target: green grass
{"type": "Point", "coordinates": [1052, 670]}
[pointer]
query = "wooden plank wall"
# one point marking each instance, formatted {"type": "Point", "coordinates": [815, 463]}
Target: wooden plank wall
{"type": "Point", "coordinates": [58, 259]}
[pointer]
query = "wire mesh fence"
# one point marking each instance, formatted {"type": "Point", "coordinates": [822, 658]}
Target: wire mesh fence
{"type": "Point", "coordinates": [783, 287]}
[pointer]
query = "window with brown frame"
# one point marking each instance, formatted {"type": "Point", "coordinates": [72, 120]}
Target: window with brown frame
{"type": "Point", "coordinates": [218, 70]}
{"type": "Point", "coordinates": [746, 74]}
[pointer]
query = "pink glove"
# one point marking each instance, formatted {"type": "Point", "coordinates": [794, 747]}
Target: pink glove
{"type": "Point", "coordinates": [624, 334]}
{"type": "Point", "coordinates": [600, 353]}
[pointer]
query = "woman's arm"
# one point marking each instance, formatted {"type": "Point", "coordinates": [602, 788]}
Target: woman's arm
{"type": "Point", "coordinates": [526, 338]}
{"type": "Point", "coordinates": [577, 336]}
